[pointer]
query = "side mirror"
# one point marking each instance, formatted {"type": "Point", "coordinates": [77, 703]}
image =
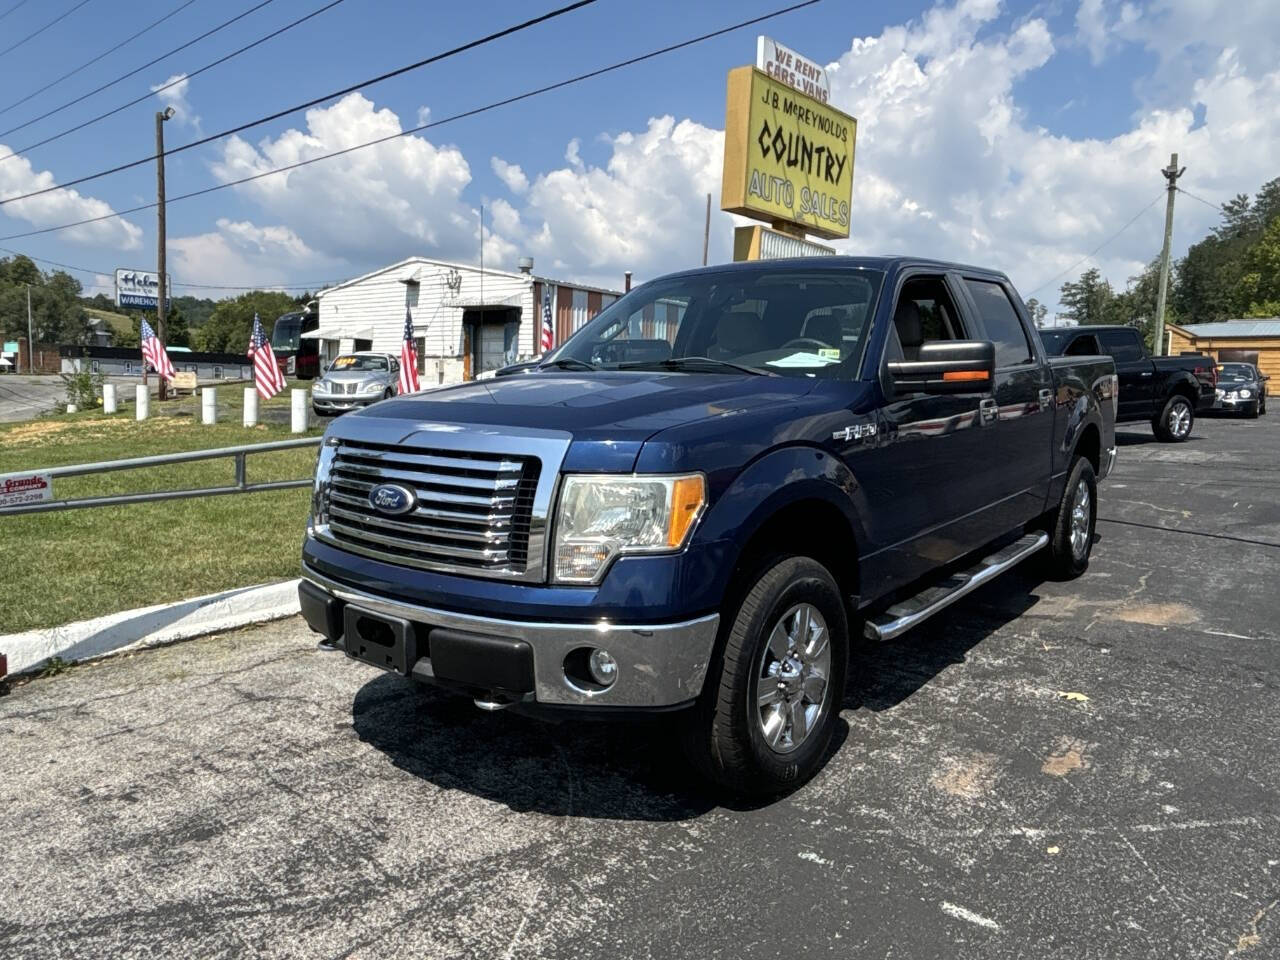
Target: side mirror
{"type": "Point", "coordinates": [946, 366]}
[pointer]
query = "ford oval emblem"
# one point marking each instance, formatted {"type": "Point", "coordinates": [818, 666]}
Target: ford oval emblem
{"type": "Point", "coordinates": [392, 498]}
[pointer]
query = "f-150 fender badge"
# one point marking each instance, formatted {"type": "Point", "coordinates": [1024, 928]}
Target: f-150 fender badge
{"type": "Point", "coordinates": [855, 431]}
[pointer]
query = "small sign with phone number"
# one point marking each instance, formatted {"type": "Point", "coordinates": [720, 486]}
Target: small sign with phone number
{"type": "Point", "coordinates": [35, 488]}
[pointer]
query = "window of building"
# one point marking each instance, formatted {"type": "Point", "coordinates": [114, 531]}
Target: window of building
{"type": "Point", "coordinates": [1001, 322]}
{"type": "Point", "coordinates": [94, 366]}
{"type": "Point", "coordinates": [217, 373]}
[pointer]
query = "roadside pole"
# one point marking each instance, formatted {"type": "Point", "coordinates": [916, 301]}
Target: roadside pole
{"type": "Point", "coordinates": [1171, 173]}
{"type": "Point", "coordinates": [31, 343]}
{"type": "Point", "coordinates": [706, 232]}
{"type": "Point", "coordinates": [161, 117]}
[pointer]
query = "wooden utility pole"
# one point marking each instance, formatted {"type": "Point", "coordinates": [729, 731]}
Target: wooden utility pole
{"type": "Point", "coordinates": [1171, 173]}
{"type": "Point", "coordinates": [161, 117]}
{"type": "Point", "coordinates": [31, 343]}
{"type": "Point", "coordinates": [706, 231]}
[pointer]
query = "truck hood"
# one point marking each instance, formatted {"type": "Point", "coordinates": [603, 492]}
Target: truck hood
{"type": "Point", "coordinates": [609, 414]}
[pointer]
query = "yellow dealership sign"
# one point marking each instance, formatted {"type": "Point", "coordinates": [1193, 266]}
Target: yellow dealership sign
{"type": "Point", "coordinates": [788, 158]}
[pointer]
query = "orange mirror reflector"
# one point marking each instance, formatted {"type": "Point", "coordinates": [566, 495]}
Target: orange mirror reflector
{"type": "Point", "coordinates": [966, 375]}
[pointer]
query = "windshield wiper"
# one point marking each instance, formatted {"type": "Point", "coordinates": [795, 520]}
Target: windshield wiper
{"type": "Point", "coordinates": [685, 363]}
{"type": "Point", "coordinates": [568, 363]}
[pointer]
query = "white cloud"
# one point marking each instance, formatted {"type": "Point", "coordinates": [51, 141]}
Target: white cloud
{"type": "Point", "coordinates": [242, 253]}
{"type": "Point", "coordinates": [18, 177]}
{"type": "Point", "coordinates": [571, 153]}
{"type": "Point", "coordinates": [510, 174]}
{"type": "Point", "coordinates": [173, 93]}
{"type": "Point", "coordinates": [377, 204]}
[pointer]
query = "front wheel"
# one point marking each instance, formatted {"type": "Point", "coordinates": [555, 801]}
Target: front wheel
{"type": "Point", "coordinates": [1071, 532]}
{"type": "Point", "coordinates": [1253, 411]}
{"type": "Point", "coordinates": [1173, 425]}
{"type": "Point", "coordinates": [770, 704]}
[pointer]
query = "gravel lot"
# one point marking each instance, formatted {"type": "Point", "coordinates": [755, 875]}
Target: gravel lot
{"type": "Point", "coordinates": [1053, 770]}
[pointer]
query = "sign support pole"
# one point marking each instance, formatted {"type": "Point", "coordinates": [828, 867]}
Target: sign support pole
{"type": "Point", "coordinates": [161, 117]}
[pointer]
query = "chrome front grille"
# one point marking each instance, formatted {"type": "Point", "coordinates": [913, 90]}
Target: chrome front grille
{"type": "Point", "coordinates": [472, 512]}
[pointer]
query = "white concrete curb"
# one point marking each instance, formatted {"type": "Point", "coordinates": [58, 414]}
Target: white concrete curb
{"type": "Point", "coordinates": [148, 626]}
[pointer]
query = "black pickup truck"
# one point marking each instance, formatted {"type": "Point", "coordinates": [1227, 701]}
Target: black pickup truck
{"type": "Point", "coordinates": [700, 500]}
{"type": "Point", "coordinates": [1167, 391]}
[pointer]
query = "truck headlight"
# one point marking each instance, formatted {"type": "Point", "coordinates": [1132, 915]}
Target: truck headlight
{"type": "Point", "coordinates": [603, 516]}
{"type": "Point", "coordinates": [320, 488]}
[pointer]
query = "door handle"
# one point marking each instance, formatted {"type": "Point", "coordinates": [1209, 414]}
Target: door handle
{"type": "Point", "coordinates": [1046, 398]}
{"type": "Point", "coordinates": [988, 410]}
{"type": "Point", "coordinates": [1146, 373]}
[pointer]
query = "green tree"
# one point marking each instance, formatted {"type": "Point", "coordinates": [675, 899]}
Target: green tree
{"type": "Point", "coordinates": [1089, 299]}
{"type": "Point", "coordinates": [1037, 311]}
{"type": "Point", "coordinates": [1258, 292]}
{"type": "Point", "coordinates": [229, 326]}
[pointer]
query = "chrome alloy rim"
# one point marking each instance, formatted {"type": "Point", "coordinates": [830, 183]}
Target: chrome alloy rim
{"type": "Point", "coordinates": [791, 683]}
{"type": "Point", "coordinates": [1180, 419]}
{"type": "Point", "coordinates": [1080, 516]}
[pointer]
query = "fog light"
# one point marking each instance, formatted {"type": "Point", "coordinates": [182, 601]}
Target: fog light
{"type": "Point", "coordinates": [604, 669]}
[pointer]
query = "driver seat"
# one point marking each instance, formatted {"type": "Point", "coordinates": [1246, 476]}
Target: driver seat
{"type": "Point", "coordinates": [910, 326]}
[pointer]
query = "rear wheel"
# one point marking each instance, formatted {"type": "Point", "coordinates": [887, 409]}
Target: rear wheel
{"type": "Point", "coordinates": [770, 704]}
{"type": "Point", "coordinates": [1173, 425]}
{"type": "Point", "coordinates": [1071, 533]}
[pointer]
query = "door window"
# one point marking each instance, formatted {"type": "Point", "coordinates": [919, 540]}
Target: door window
{"type": "Point", "coordinates": [1001, 321]}
{"type": "Point", "coordinates": [924, 313]}
{"type": "Point", "coordinates": [1122, 344]}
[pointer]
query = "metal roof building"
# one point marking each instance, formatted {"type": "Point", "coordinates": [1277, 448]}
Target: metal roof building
{"type": "Point", "coordinates": [467, 321]}
{"type": "Point", "coordinates": [1245, 341]}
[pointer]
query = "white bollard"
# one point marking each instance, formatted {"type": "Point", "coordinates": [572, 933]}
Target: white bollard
{"type": "Point", "coordinates": [143, 401]}
{"type": "Point", "coordinates": [299, 410]}
{"type": "Point", "coordinates": [250, 406]}
{"type": "Point", "coordinates": [209, 405]}
{"type": "Point", "coordinates": [108, 398]}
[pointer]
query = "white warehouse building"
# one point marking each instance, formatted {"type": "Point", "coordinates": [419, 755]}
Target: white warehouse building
{"type": "Point", "coordinates": [466, 321]}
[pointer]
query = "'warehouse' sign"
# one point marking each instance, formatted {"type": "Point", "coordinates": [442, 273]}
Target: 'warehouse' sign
{"type": "Point", "coordinates": [787, 157]}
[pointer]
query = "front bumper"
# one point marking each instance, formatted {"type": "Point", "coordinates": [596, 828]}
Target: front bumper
{"type": "Point", "coordinates": [659, 665]}
{"type": "Point", "coordinates": [1234, 405]}
{"type": "Point", "coordinates": [337, 402]}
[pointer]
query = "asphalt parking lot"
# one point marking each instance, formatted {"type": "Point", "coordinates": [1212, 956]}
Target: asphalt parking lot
{"type": "Point", "coordinates": [1071, 770]}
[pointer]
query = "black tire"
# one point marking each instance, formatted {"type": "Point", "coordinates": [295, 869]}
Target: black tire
{"type": "Point", "coordinates": [1175, 421]}
{"type": "Point", "coordinates": [726, 739]}
{"type": "Point", "coordinates": [1262, 408]}
{"type": "Point", "coordinates": [388, 394]}
{"type": "Point", "coordinates": [1067, 557]}
{"type": "Point", "coordinates": [1253, 411]}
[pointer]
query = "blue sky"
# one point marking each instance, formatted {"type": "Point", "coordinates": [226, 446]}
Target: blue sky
{"type": "Point", "coordinates": [1020, 135]}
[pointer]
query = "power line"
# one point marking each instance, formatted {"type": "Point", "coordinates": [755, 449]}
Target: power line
{"type": "Point", "coordinates": [11, 9]}
{"type": "Point", "coordinates": [1215, 206]}
{"type": "Point", "coordinates": [652, 54]}
{"type": "Point", "coordinates": [426, 126]}
{"type": "Point", "coordinates": [1132, 220]}
{"type": "Point", "coordinates": [125, 76]}
{"type": "Point", "coordinates": [105, 53]}
{"type": "Point", "coordinates": [36, 33]}
{"type": "Point", "coordinates": [435, 58]}
{"type": "Point", "coordinates": [312, 285]}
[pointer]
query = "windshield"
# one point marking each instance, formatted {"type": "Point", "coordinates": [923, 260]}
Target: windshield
{"type": "Point", "coordinates": [288, 332]}
{"type": "Point", "coordinates": [791, 322]}
{"type": "Point", "coordinates": [1235, 371]}
{"type": "Point", "coordinates": [348, 363]}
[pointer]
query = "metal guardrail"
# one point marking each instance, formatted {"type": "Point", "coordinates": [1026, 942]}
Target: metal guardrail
{"type": "Point", "coordinates": [240, 484]}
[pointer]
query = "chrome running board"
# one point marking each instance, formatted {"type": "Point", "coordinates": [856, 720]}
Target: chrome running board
{"type": "Point", "coordinates": [901, 617]}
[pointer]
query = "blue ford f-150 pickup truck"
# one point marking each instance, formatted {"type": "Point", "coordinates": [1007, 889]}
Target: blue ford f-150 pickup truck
{"type": "Point", "coordinates": [706, 495]}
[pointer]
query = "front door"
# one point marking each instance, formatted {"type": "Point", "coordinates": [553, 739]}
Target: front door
{"type": "Point", "coordinates": [927, 474]}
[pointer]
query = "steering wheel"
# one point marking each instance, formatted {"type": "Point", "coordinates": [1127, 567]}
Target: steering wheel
{"type": "Point", "coordinates": [807, 342]}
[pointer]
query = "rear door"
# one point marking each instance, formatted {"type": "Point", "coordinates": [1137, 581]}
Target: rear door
{"type": "Point", "coordinates": [1021, 435]}
{"type": "Point", "coordinates": [1136, 371]}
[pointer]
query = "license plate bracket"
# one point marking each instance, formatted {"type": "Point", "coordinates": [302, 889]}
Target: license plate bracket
{"type": "Point", "coordinates": [380, 640]}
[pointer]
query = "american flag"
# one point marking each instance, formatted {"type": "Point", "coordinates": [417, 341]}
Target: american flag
{"type": "Point", "coordinates": [408, 357]}
{"type": "Point", "coordinates": [154, 353]}
{"type": "Point", "coordinates": [266, 372]}
{"type": "Point", "coordinates": [548, 331]}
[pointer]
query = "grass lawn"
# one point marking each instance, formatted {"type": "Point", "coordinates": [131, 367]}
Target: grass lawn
{"type": "Point", "coordinates": [76, 564]}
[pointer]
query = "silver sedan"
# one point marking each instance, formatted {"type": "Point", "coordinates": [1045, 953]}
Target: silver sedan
{"type": "Point", "coordinates": [356, 380]}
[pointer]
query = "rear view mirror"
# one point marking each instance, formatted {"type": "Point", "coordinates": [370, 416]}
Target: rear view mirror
{"type": "Point", "coordinates": [946, 366]}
